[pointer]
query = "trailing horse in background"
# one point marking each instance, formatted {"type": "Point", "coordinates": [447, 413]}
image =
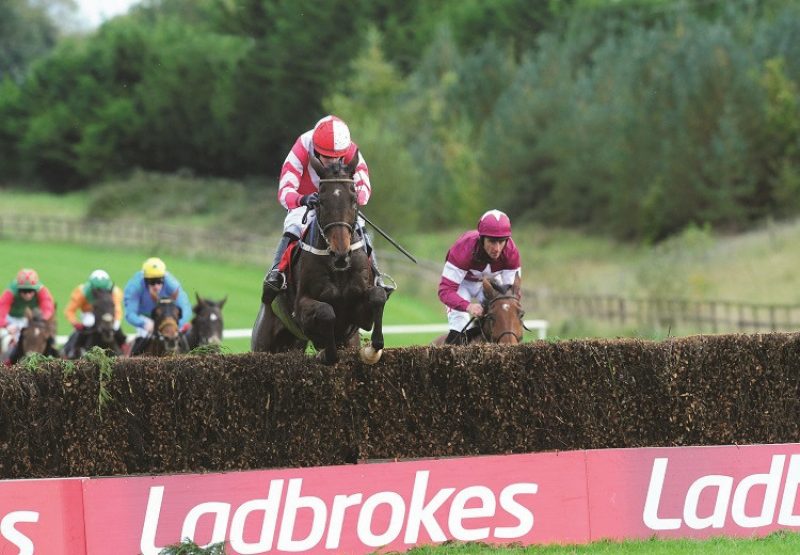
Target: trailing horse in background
{"type": "Point", "coordinates": [102, 333]}
{"type": "Point", "coordinates": [502, 320]}
{"type": "Point", "coordinates": [207, 323]}
{"type": "Point", "coordinates": [38, 336]}
{"type": "Point", "coordinates": [166, 338]}
{"type": "Point", "coordinates": [331, 290]}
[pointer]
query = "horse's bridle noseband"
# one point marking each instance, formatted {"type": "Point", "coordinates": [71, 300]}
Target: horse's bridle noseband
{"type": "Point", "coordinates": [489, 317]}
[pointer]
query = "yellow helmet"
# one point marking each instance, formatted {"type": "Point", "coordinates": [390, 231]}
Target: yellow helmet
{"type": "Point", "coordinates": [154, 268]}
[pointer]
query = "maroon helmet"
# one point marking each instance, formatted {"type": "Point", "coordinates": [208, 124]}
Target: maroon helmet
{"type": "Point", "coordinates": [494, 224]}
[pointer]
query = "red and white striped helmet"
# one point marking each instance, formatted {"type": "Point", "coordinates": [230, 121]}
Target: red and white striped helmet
{"type": "Point", "coordinates": [28, 279]}
{"type": "Point", "coordinates": [331, 137]}
{"type": "Point", "coordinates": [494, 224]}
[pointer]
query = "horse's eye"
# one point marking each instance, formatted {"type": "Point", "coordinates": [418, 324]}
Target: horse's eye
{"type": "Point", "coordinates": [521, 314]}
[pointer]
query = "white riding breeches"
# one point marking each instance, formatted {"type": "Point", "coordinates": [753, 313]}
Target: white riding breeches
{"type": "Point", "coordinates": [7, 338]}
{"type": "Point", "coordinates": [468, 290]}
{"type": "Point", "coordinates": [293, 223]}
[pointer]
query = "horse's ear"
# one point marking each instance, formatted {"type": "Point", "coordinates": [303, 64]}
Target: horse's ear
{"type": "Point", "coordinates": [200, 300]}
{"type": "Point", "coordinates": [515, 289]}
{"type": "Point", "coordinates": [315, 163]}
{"type": "Point", "coordinates": [351, 167]}
{"type": "Point", "coordinates": [222, 302]}
{"type": "Point", "coordinates": [488, 288]}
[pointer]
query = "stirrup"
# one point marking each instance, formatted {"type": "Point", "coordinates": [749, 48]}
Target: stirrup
{"type": "Point", "coordinates": [272, 279]}
{"type": "Point", "coordinates": [379, 282]}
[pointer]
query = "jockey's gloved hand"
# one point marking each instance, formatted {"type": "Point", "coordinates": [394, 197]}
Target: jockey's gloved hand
{"type": "Point", "coordinates": [147, 325]}
{"type": "Point", "coordinates": [78, 326]}
{"type": "Point", "coordinates": [310, 201]}
{"type": "Point", "coordinates": [186, 327]}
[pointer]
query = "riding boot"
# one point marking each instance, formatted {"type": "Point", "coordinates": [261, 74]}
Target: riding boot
{"type": "Point", "coordinates": [455, 337]}
{"type": "Point", "coordinates": [138, 345]}
{"type": "Point", "coordinates": [473, 333]}
{"type": "Point", "coordinates": [120, 337]}
{"type": "Point", "coordinates": [69, 346]}
{"type": "Point", "coordinates": [275, 280]}
{"type": "Point", "coordinates": [373, 260]}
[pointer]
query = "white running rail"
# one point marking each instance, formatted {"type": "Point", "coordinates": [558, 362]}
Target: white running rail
{"type": "Point", "coordinates": [540, 326]}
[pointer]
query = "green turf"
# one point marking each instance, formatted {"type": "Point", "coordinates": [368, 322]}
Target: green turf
{"type": "Point", "coordinates": [778, 543]}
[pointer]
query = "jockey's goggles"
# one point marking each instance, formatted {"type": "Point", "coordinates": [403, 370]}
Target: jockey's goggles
{"type": "Point", "coordinates": [154, 281]}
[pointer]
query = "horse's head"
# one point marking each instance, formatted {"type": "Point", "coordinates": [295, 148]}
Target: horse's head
{"type": "Point", "coordinates": [338, 208]}
{"type": "Point", "coordinates": [207, 321]}
{"type": "Point", "coordinates": [166, 316]}
{"type": "Point", "coordinates": [104, 310]}
{"type": "Point", "coordinates": [34, 337]}
{"type": "Point", "coordinates": [503, 312]}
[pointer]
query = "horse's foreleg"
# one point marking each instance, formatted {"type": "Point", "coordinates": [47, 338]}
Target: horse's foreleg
{"type": "Point", "coordinates": [376, 298]}
{"type": "Point", "coordinates": [317, 320]}
{"type": "Point", "coordinates": [259, 339]}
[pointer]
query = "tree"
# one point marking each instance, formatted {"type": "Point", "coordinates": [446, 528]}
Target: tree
{"type": "Point", "coordinates": [26, 32]}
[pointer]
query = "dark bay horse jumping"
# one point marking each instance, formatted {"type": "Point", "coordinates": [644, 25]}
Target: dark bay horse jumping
{"type": "Point", "coordinates": [331, 290]}
{"type": "Point", "coordinates": [166, 338]}
{"type": "Point", "coordinates": [102, 334]}
{"type": "Point", "coordinates": [36, 337]}
{"type": "Point", "coordinates": [502, 320]}
{"type": "Point", "coordinates": [207, 323]}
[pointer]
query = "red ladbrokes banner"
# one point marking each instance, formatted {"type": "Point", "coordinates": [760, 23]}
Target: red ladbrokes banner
{"type": "Point", "coordinates": [569, 497]}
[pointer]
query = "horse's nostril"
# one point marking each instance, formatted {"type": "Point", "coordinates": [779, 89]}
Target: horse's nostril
{"type": "Point", "coordinates": [341, 262]}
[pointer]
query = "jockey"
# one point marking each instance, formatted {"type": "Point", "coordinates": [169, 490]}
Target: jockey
{"type": "Point", "coordinates": [82, 299]}
{"type": "Point", "coordinates": [142, 293]}
{"type": "Point", "coordinates": [329, 141]}
{"type": "Point", "coordinates": [489, 252]}
{"type": "Point", "coordinates": [26, 291]}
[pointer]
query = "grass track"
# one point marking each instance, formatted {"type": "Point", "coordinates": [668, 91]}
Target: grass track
{"type": "Point", "coordinates": [779, 543]}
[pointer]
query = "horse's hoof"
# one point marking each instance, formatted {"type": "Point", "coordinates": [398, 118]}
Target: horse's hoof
{"type": "Point", "coordinates": [323, 357]}
{"type": "Point", "coordinates": [369, 355]}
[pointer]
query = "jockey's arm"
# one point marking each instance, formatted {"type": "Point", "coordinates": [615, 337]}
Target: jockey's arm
{"type": "Point", "coordinates": [171, 285]}
{"type": "Point", "coordinates": [116, 295]}
{"type": "Point", "coordinates": [448, 294]}
{"type": "Point", "coordinates": [291, 173]}
{"type": "Point", "coordinates": [76, 300]}
{"type": "Point", "coordinates": [362, 182]}
{"type": "Point", "coordinates": [186, 308]}
{"type": "Point", "coordinates": [133, 290]}
{"type": "Point", "coordinates": [5, 306]}
{"type": "Point", "coordinates": [47, 305]}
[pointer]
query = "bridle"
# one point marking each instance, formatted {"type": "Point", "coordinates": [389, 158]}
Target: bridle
{"type": "Point", "coordinates": [170, 344]}
{"type": "Point", "coordinates": [323, 230]}
{"type": "Point", "coordinates": [488, 317]}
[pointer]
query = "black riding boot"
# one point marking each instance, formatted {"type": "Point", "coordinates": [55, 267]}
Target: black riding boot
{"type": "Point", "coordinates": [373, 260]}
{"type": "Point", "coordinates": [455, 337]}
{"type": "Point", "coordinates": [120, 337]}
{"type": "Point", "coordinates": [275, 280]}
{"type": "Point", "coordinates": [69, 346]}
{"type": "Point", "coordinates": [138, 345]}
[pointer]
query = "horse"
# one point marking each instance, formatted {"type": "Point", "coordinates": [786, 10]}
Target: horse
{"type": "Point", "coordinates": [207, 323]}
{"type": "Point", "coordinates": [331, 290]}
{"type": "Point", "coordinates": [102, 334]}
{"type": "Point", "coordinates": [38, 336]}
{"type": "Point", "coordinates": [166, 338]}
{"type": "Point", "coordinates": [502, 320]}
